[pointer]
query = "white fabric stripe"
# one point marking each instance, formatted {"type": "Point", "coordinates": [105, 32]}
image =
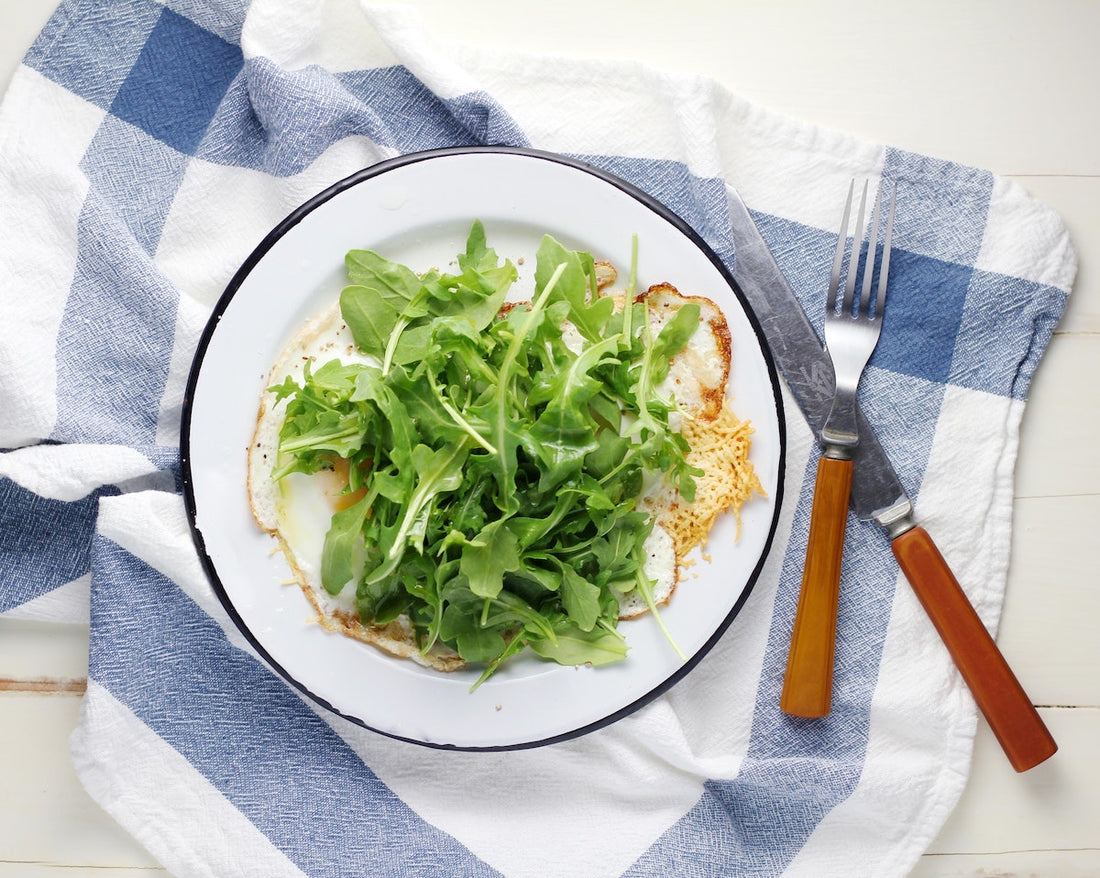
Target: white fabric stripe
{"type": "Point", "coordinates": [789, 169]}
{"type": "Point", "coordinates": [753, 147]}
{"type": "Point", "coordinates": [401, 29]}
{"type": "Point", "coordinates": [332, 35]}
{"type": "Point", "coordinates": [1047, 257]}
{"type": "Point", "coordinates": [615, 779]}
{"type": "Point", "coordinates": [975, 425]}
{"type": "Point", "coordinates": [158, 796]}
{"type": "Point", "coordinates": [68, 603]}
{"type": "Point", "coordinates": [190, 320]}
{"type": "Point", "coordinates": [220, 214]}
{"type": "Point", "coordinates": [41, 194]}
{"type": "Point", "coordinates": [70, 472]}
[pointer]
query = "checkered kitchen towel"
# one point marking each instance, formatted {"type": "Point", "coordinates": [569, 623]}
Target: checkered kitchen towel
{"type": "Point", "coordinates": [146, 147]}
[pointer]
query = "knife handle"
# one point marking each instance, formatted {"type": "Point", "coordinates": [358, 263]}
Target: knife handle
{"type": "Point", "coordinates": [808, 683]}
{"type": "Point", "coordinates": [999, 695]}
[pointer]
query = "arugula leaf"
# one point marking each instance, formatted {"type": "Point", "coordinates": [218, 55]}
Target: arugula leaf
{"type": "Point", "coordinates": [672, 338]}
{"type": "Point", "coordinates": [500, 464]}
{"type": "Point", "coordinates": [479, 255]}
{"type": "Point", "coordinates": [565, 433]}
{"type": "Point", "coordinates": [573, 646]}
{"type": "Point", "coordinates": [439, 471]}
{"type": "Point", "coordinates": [486, 558]}
{"type": "Point", "coordinates": [395, 284]}
{"type": "Point", "coordinates": [477, 644]}
{"type": "Point", "coordinates": [588, 312]}
{"type": "Point", "coordinates": [343, 549]}
{"type": "Point", "coordinates": [580, 598]}
{"type": "Point", "coordinates": [380, 292]}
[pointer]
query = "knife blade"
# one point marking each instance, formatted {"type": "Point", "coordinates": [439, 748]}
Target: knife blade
{"type": "Point", "coordinates": [877, 495]}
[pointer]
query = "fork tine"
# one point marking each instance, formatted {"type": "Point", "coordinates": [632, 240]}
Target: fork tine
{"type": "Point", "coordinates": [884, 271]}
{"type": "Point", "coordinates": [864, 306]}
{"type": "Point", "coordinates": [841, 246]}
{"type": "Point", "coordinates": [853, 260]}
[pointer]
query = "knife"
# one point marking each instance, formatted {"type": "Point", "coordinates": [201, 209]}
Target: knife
{"type": "Point", "coordinates": [877, 495]}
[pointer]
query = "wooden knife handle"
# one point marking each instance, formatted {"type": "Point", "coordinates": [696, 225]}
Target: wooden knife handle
{"type": "Point", "coordinates": [999, 695]}
{"type": "Point", "coordinates": [808, 683]}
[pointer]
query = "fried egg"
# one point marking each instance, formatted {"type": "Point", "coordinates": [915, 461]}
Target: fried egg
{"type": "Point", "coordinates": [298, 509]}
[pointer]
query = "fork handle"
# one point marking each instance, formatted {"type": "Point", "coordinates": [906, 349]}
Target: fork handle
{"type": "Point", "coordinates": [999, 695]}
{"type": "Point", "coordinates": [808, 683]}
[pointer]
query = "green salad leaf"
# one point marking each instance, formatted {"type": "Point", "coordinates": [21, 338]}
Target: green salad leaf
{"type": "Point", "coordinates": [499, 452]}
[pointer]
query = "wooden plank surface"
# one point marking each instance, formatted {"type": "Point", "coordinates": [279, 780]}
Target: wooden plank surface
{"type": "Point", "coordinates": [1010, 86]}
{"type": "Point", "coordinates": [48, 821]}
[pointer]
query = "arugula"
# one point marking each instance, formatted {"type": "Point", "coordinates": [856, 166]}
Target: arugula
{"type": "Point", "coordinates": [499, 463]}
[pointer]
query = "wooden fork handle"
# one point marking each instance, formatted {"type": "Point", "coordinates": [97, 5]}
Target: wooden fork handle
{"type": "Point", "coordinates": [999, 695]}
{"type": "Point", "coordinates": [808, 683]}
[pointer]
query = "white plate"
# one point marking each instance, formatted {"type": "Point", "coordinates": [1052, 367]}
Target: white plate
{"type": "Point", "coordinates": [417, 210]}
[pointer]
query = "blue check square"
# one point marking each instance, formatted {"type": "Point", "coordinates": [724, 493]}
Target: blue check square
{"type": "Point", "coordinates": [177, 82]}
{"type": "Point", "coordinates": [920, 324]}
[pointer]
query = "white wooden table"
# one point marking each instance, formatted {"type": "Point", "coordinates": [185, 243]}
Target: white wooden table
{"type": "Point", "coordinates": [1008, 86]}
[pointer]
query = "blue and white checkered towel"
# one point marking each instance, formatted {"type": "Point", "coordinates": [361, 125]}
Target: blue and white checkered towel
{"type": "Point", "coordinates": [146, 147]}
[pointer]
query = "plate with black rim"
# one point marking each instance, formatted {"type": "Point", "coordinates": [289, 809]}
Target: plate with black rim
{"type": "Point", "coordinates": [417, 210]}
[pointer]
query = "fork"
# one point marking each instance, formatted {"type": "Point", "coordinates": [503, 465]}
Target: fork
{"type": "Point", "coordinates": [851, 334]}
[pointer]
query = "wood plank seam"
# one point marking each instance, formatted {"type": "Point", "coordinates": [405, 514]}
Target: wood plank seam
{"type": "Point", "coordinates": [44, 686]}
{"type": "Point", "coordinates": [1084, 850]}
